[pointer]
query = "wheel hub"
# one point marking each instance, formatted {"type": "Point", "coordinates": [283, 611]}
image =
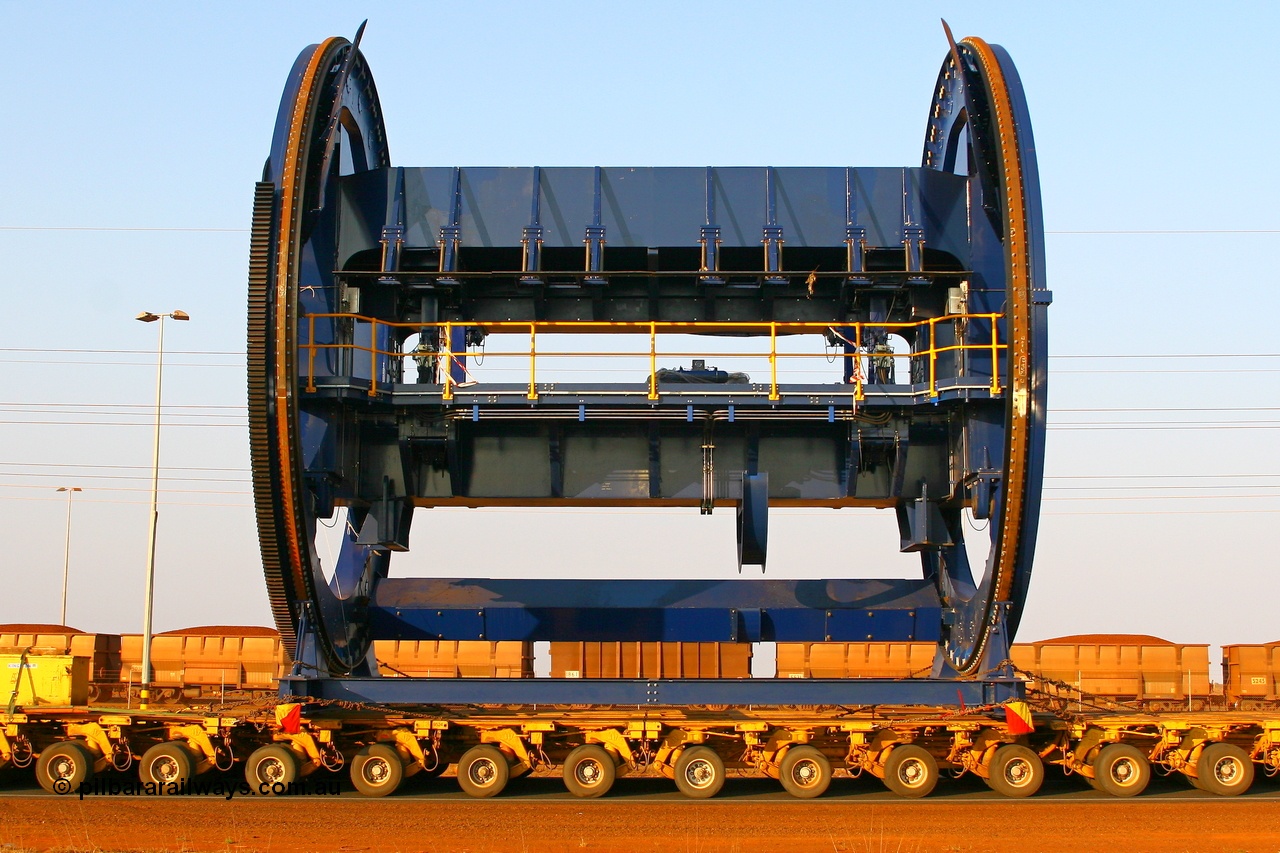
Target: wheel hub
{"type": "Point", "coordinates": [1017, 772]}
{"type": "Point", "coordinates": [483, 772]}
{"type": "Point", "coordinates": [376, 771]}
{"type": "Point", "coordinates": [700, 773]}
{"type": "Point", "coordinates": [271, 770]}
{"type": "Point", "coordinates": [165, 770]}
{"type": "Point", "coordinates": [589, 772]}
{"type": "Point", "coordinates": [805, 773]}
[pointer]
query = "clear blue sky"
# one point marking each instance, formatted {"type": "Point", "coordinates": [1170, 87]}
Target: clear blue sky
{"type": "Point", "coordinates": [1148, 118]}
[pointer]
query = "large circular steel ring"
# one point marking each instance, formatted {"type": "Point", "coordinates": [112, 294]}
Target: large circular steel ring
{"type": "Point", "coordinates": [979, 125]}
{"type": "Point", "coordinates": [329, 125]}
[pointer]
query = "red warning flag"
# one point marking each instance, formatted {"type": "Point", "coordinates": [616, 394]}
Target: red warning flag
{"type": "Point", "coordinates": [1017, 717]}
{"type": "Point", "coordinates": [289, 716]}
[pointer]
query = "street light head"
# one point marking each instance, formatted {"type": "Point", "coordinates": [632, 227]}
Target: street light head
{"type": "Point", "coordinates": [71, 489]}
{"type": "Point", "coordinates": [180, 315]}
{"type": "Point", "coordinates": [147, 317]}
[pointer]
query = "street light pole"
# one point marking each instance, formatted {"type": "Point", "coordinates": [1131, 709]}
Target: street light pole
{"type": "Point", "coordinates": [66, 551]}
{"type": "Point", "coordinates": [145, 691]}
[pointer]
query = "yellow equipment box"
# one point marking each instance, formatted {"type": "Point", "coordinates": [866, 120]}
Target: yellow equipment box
{"type": "Point", "coordinates": [44, 680]}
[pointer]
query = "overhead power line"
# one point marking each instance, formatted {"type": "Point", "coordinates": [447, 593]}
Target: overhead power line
{"type": "Point", "coordinates": [207, 230]}
{"type": "Point", "coordinates": [1107, 356]}
{"type": "Point", "coordinates": [126, 228]}
{"type": "Point", "coordinates": [824, 514]}
{"type": "Point", "coordinates": [245, 492]}
{"type": "Point", "coordinates": [60, 476]}
{"type": "Point", "coordinates": [245, 470]}
{"type": "Point", "coordinates": [1164, 487]}
{"type": "Point", "coordinates": [17, 407]}
{"type": "Point", "coordinates": [1173, 231]}
{"type": "Point", "coordinates": [240, 421]}
{"type": "Point", "coordinates": [1056, 410]}
{"type": "Point", "coordinates": [143, 475]}
{"type": "Point", "coordinates": [1053, 427]}
{"type": "Point", "coordinates": [247, 507]}
{"type": "Point", "coordinates": [1180, 371]}
{"type": "Point", "coordinates": [119, 405]}
{"type": "Point", "coordinates": [122, 351]}
{"type": "Point", "coordinates": [1115, 356]}
{"type": "Point", "coordinates": [1149, 476]}
{"type": "Point", "coordinates": [116, 467]}
{"type": "Point", "coordinates": [130, 489]}
{"type": "Point", "coordinates": [118, 423]}
{"type": "Point", "coordinates": [151, 364]}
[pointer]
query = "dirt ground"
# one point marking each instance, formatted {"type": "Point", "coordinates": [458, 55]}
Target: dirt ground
{"type": "Point", "coordinates": [445, 826]}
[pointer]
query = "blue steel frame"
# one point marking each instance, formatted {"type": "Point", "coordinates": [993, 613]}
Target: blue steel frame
{"type": "Point", "coordinates": [735, 693]}
{"type": "Point", "coordinates": [728, 611]}
{"type": "Point", "coordinates": [331, 88]}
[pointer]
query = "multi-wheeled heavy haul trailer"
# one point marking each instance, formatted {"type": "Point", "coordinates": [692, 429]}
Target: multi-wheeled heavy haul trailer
{"type": "Point", "coordinates": [374, 287]}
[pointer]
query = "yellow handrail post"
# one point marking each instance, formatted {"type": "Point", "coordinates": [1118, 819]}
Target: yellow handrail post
{"type": "Point", "coordinates": [446, 393]}
{"type": "Point", "coordinates": [373, 357]}
{"type": "Point", "coordinates": [773, 361]}
{"type": "Point", "coordinates": [995, 361]}
{"type": "Point", "coordinates": [311, 353]}
{"type": "Point", "coordinates": [858, 394]}
{"type": "Point", "coordinates": [533, 349]}
{"type": "Point", "coordinates": [653, 360]}
{"type": "Point", "coordinates": [933, 357]}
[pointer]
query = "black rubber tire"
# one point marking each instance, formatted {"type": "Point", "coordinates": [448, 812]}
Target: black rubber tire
{"type": "Point", "coordinates": [269, 766]}
{"type": "Point", "coordinates": [483, 771]}
{"type": "Point", "coordinates": [64, 767]}
{"type": "Point", "coordinates": [589, 771]}
{"type": "Point", "coordinates": [1121, 770]}
{"type": "Point", "coordinates": [169, 766]}
{"type": "Point", "coordinates": [1224, 769]}
{"type": "Point", "coordinates": [699, 772]}
{"type": "Point", "coordinates": [911, 771]}
{"type": "Point", "coordinates": [805, 772]}
{"type": "Point", "coordinates": [377, 770]}
{"type": "Point", "coordinates": [1015, 771]}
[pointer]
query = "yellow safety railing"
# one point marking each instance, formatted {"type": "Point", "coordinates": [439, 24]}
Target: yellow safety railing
{"type": "Point", "coordinates": [653, 329]}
